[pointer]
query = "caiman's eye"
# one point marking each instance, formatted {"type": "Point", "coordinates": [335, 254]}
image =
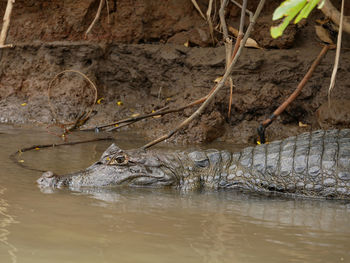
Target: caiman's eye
{"type": "Point", "coordinates": [118, 160]}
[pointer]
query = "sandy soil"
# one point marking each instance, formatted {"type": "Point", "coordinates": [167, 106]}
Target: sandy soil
{"type": "Point", "coordinates": [139, 59]}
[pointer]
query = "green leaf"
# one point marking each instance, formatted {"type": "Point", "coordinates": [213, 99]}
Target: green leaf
{"type": "Point", "coordinates": [290, 9]}
{"type": "Point", "coordinates": [287, 7]}
{"type": "Point", "coordinates": [304, 13]}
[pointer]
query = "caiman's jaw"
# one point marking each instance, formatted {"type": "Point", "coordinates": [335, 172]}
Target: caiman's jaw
{"type": "Point", "coordinates": [116, 167]}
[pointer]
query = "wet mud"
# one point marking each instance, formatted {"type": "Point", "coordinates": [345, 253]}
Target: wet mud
{"type": "Point", "coordinates": [145, 66]}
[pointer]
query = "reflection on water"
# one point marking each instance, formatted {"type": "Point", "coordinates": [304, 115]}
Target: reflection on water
{"type": "Point", "coordinates": [5, 221]}
{"type": "Point", "coordinates": [148, 225]}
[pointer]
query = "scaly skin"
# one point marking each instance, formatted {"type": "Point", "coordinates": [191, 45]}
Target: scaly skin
{"type": "Point", "coordinates": [315, 164]}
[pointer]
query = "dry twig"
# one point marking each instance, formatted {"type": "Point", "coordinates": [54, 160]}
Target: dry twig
{"type": "Point", "coordinates": [292, 97]}
{"type": "Point", "coordinates": [96, 17]}
{"type": "Point", "coordinates": [6, 24]}
{"type": "Point", "coordinates": [222, 19]}
{"type": "Point", "coordinates": [337, 53]}
{"type": "Point", "coordinates": [194, 2]}
{"type": "Point", "coordinates": [13, 156]}
{"type": "Point", "coordinates": [209, 20]}
{"type": "Point", "coordinates": [160, 112]}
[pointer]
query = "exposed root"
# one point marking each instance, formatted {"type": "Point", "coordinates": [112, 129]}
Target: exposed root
{"type": "Point", "coordinates": [14, 155]}
{"type": "Point", "coordinates": [86, 114]}
{"type": "Point", "coordinates": [293, 96]}
{"type": "Point", "coordinates": [96, 17]}
{"type": "Point", "coordinates": [6, 24]}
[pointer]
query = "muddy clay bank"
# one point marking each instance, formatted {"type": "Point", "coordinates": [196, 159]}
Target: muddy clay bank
{"type": "Point", "coordinates": [149, 77]}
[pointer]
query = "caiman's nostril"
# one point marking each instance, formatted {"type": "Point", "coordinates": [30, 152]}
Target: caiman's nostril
{"type": "Point", "coordinates": [48, 174]}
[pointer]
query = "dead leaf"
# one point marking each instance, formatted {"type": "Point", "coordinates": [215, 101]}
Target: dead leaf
{"type": "Point", "coordinates": [323, 34]}
{"type": "Point", "coordinates": [250, 42]}
{"type": "Point", "coordinates": [187, 44]}
{"type": "Point", "coordinates": [233, 30]}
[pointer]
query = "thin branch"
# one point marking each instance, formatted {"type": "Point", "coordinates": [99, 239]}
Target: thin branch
{"type": "Point", "coordinates": [132, 120]}
{"type": "Point", "coordinates": [194, 2]}
{"type": "Point", "coordinates": [160, 112]}
{"type": "Point", "coordinates": [6, 24]}
{"type": "Point", "coordinates": [230, 100]}
{"type": "Point", "coordinates": [337, 53]}
{"type": "Point", "coordinates": [222, 19]}
{"type": "Point", "coordinates": [209, 20]}
{"type": "Point", "coordinates": [96, 17]}
{"type": "Point", "coordinates": [241, 24]}
{"type": "Point", "coordinates": [292, 97]}
{"type": "Point", "coordinates": [219, 85]}
{"type": "Point", "coordinates": [246, 10]}
{"type": "Point", "coordinates": [228, 42]}
{"type": "Point", "coordinates": [240, 32]}
{"type": "Point", "coordinates": [42, 146]}
{"type": "Point", "coordinates": [237, 44]}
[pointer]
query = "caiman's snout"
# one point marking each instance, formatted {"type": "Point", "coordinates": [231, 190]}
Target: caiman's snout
{"type": "Point", "coordinates": [48, 179]}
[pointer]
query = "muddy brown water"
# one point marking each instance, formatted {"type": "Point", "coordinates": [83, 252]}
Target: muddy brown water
{"type": "Point", "coordinates": [142, 225]}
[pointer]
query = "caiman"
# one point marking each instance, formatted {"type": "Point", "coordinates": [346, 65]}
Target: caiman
{"type": "Point", "coordinates": [312, 164]}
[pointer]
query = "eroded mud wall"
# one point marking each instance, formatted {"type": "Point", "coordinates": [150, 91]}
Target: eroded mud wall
{"type": "Point", "coordinates": [150, 76]}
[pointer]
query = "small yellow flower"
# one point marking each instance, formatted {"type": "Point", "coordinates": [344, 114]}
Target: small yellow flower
{"type": "Point", "coordinates": [259, 142]}
{"type": "Point", "coordinates": [302, 124]}
{"type": "Point", "coordinates": [100, 100]}
{"type": "Point", "coordinates": [108, 159]}
{"type": "Point", "coordinates": [116, 125]}
{"type": "Point", "coordinates": [24, 104]}
{"type": "Point", "coordinates": [37, 148]}
{"type": "Point", "coordinates": [119, 103]}
{"type": "Point", "coordinates": [218, 79]}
